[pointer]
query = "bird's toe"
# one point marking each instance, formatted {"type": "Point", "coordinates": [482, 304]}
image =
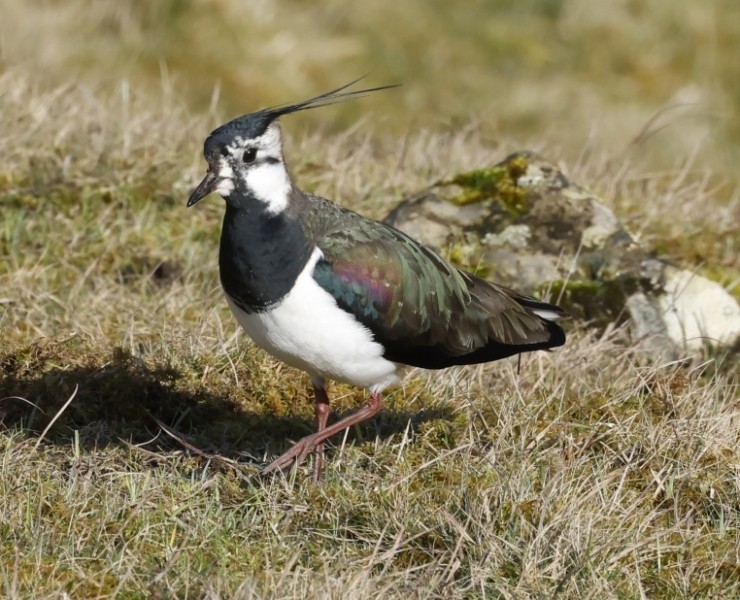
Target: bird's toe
{"type": "Point", "coordinates": [293, 457]}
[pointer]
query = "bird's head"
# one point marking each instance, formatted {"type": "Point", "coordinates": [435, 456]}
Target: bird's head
{"type": "Point", "coordinates": [245, 155]}
{"type": "Point", "coordinates": [245, 158]}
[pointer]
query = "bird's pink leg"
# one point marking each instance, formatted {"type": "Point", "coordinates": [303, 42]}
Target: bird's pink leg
{"type": "Point", "coordinates": [321, 406]}
{"type": "Point", "coordinates": [303, 447]}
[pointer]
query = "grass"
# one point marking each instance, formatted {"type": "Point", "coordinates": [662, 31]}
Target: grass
{"type": "Point", "coordinates": [575, 477]}
{"type": "Point", "coordinates": [135, 416]}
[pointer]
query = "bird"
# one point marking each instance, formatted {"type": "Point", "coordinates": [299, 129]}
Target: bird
{"type": "Point", "coordinates": [340, 296]}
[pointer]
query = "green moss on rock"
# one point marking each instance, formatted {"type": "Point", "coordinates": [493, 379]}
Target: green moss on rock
{"type": "Point", "coordinates": [498, 183]}
{"type": "Point", "coordinates": [469, 257]}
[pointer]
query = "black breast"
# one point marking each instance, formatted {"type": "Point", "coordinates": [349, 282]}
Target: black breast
{"type": "Point", "coordinates": [261, 256]}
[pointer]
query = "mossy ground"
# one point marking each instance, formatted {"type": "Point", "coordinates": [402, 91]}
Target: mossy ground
{"type": "Point", "coordinates": [135, 416]}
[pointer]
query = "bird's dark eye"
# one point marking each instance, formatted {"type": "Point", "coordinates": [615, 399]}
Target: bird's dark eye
{"type": "Point", "coordinates": [249, 155]}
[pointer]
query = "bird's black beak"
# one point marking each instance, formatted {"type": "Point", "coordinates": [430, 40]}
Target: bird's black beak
{"type": "Point", "coordinates": [205, 187]}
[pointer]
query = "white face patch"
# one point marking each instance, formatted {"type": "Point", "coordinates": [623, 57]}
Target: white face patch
{"type": "Point", "coordinates": [266, 178]}
{"type": "Point", "coordinates": [226, 177]}
{"type": "Point", "coordinates": [270, 184]}
{"type": "Point", "coordinates": [269, 143]}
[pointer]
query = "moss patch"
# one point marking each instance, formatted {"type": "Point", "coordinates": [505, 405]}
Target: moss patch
{"type": "Point", "coordinates": [497, 183]}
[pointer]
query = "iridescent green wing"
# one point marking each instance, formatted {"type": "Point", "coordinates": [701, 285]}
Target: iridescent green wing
{"type": "Point", "coordinates": [423, 310]}
{"type": "Point", "coordinates": [390, 283]}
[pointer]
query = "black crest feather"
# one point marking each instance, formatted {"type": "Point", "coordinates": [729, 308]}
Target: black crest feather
{"type": "Point", "coordinates": [326, 99]}
{"type": "Point", "coordinates": [254, 124]}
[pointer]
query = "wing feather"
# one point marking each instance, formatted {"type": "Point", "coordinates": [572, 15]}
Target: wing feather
{"type": "Point", "coordinates": [424, 311]}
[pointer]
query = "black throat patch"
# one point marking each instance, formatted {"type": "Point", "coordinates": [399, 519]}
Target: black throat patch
{"type": "Point", "coordinates": [261, 256]}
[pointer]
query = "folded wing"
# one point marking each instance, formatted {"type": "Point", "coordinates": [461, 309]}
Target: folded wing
{"type": "Point", "coordinates": [426, 312]}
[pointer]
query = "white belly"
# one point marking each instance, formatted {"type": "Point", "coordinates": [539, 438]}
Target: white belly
{"type": "Point", "coordinates": [307, 330]}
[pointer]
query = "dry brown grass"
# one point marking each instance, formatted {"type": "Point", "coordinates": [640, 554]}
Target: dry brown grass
{"type": "Point", "coordinates": [584, 77]}
{"type": "Point", "coordinates": [588, 473]}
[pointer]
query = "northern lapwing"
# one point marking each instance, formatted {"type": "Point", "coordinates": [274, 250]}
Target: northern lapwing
{"type": "Point", "coordinates": [341, 296]}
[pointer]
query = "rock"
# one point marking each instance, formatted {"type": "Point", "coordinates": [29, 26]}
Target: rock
{"type": "Point", "coordinates": [697, 311]}
{"type": "Point", "coordinates": [523, 224]}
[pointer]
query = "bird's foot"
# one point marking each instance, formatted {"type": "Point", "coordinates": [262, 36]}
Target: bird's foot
{"type": "Point", "coordinates": [295, 456]}
{"type": "Point", "coordinates": [303, 447]}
